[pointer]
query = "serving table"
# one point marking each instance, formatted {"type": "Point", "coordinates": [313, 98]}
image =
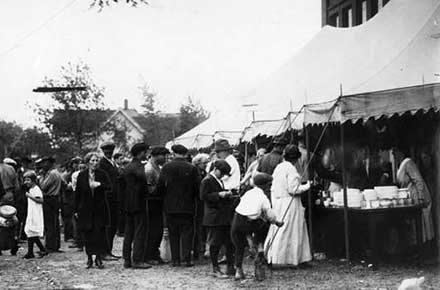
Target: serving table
{"type": "Point", "coordinates": [374, 216]}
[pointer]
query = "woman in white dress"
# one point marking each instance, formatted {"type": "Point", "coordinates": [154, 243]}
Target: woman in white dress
{"type": "Point", "coordinates": [34, 227]}
{"type": "Point", "coordinates": [288, 245]}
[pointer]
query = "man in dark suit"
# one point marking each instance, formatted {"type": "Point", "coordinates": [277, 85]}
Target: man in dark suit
{"type": "Point", "coordinates": [108, 166]}
{"type": "Point", "coordinates": [217, 217]}
{"type": "Point", "coordinates": [154, 205]}
{"type": "Point", "coordinates": [135, 186]}
{"type": "Point", "coordinates": [178, 185]}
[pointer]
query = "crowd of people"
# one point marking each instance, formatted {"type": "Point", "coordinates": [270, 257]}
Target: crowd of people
{"type": "Point", "coordinates": [199, 203]}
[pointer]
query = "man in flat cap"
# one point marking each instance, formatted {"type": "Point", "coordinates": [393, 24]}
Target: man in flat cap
{"type": "Point", "coordinates": [108, 166]}
{"type": "Point", "coordinates": [135, 191]}
{"type": "Point", "coordinates": [154, 205]}
{"type": "Point", "coordinates": [224, 152]}
{"type": "Point", "coordinates": [178, 185]}
{"type": "Point", "coordinates": [270, 160]}
{"type": "Point", "coordinates": [51, 185]}
{"type": "Point", "coordinates": [217, 216]}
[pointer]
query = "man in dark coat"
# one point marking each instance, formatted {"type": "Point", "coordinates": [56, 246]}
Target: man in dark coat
{"type": "Point", "coordinates": [51, 184]}
{"type": "Point", "coordinates": [108, 165]}
{"type": "Point", "coordinates": [154, 205]}
{"type": "Point", "coordinates": [217, 217]}
{"type": "Point", "coordinates": [178, 185]}
{"type": "Point", "coordinates": [134, 207]}
{"type": "Point", "coordinates": [275, 157]}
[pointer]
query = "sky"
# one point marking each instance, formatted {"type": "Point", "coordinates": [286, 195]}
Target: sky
{"type": "Point", "coordinates": [214, 51]}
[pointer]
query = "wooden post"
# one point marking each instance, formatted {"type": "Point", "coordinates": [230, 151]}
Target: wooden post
{"type": "Point", "coordinates": [344, 188]}
{"type": "Point", "coordinates": [309, 196]}
{"type": "Point", "coordinates": [436, 193]}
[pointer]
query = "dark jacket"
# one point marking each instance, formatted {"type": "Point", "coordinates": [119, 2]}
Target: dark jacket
{"type": "Point", "coordinates": [178, 185]}
{"type": "Point", "coordinates": [135, 187]}
{"type": "Point", "coordinates": [113, 174]}
{"type": "Point", "coordinates": [92, 207]}
{"type": "Point", "coordinates": [269, 161]}
{"type": "Point", "coordinates": [217, 211]}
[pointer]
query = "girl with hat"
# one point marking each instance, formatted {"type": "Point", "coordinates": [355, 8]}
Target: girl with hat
{"type": "Point", "coordinates": [34, 227]}
{"type": "Point", "coordinates": [288, 245]}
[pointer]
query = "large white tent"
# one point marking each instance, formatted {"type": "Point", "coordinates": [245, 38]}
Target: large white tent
{"type": "Point", "coordinates": [399, 47]}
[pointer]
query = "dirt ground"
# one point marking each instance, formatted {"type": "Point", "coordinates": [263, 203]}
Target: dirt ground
{"type": "Point", "coordinates": [67, 271]}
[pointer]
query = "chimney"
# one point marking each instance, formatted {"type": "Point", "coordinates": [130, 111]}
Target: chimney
{"type": "Point", "coordinates": [125, 104]}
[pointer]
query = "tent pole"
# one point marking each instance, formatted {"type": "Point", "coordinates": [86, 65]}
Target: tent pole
{"type": "Point", "coordinates": [344, 187]}
{"type": "Point", "coordinates": [309, 195]}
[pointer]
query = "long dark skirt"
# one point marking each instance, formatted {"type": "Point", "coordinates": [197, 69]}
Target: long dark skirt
{"type": "Point", "coordinates": [94, 241]}
{"type": "Point", "coordinates": [7, 238]}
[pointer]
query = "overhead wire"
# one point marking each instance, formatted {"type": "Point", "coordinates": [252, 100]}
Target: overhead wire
{"type": "Point", "coordinates": [35, 30]}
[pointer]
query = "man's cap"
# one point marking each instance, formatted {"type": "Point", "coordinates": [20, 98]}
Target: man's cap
{"type": "Point", "coordinates": [44, 159]}
{"type": "Point", "coordinates": [222, 145]}
{"type": "Point", "coordinates": [76, 159]}
{"type": "Point", "coordinates": [261, 179]}
{"type": "Point", "coordinates": [108, 145]}
{"type": "Point", "coordinates": [138, 147]}
{"type": "Point", "coordinates": [30, 174]}
{"type": "Point", "coordinates": [179, 149]}
{"type": "Point", "coordinates": [280, 140]}
{"type": "Point", "coordinates": [292, 152]}
{"type": "Point", "coordinates": [159, 150]}
{"type": "Point", "coordinates": [223, 166]}
{"type": "Point", "coordinates": [9, 161]}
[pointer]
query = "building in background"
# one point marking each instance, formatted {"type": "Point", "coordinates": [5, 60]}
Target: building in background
{"type": "Point", "coordinates": [348, 13]}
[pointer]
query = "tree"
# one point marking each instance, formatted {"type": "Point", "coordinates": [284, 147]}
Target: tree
{"type": "Point", "coordinates": [101, 4]}
{"type": "Point", "coordinates": [16, 141]}
{"type": "Point", "coordinates": [191, 115]}
{"type": "Point", "coordinates": [148, 100]}
{"type": "Point", "coordinates": [74, 118]}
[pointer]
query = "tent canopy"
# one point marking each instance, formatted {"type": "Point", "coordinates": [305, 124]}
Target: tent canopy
{"type": "Point", "coordinates": [221, 125]}
{"type": "Point", "coordinates": [399, 47]}
{"type": "Point", "coordinates": [375, 105]}
{"type": "Point", "coordinates": [293, 120]}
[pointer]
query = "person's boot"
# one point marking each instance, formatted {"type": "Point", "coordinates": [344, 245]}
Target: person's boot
{"type": "Point", "coordinates": [29, 255]}
{"type": "Point", "coordinates": [230, 271]}
{"type": "Point", "coordinates": [217, 273]}
{"type": "Point", "coordinates": [239, 275]}
{"type": "Point", "coordinates": [260, 265]}
{"type": "Point", "coordinates": [127, 263]}
{"type": "Point", "coordinates": [89, 262]}
{"type": "Point", "coordinates": [141, 265]}
{"type": "Point", "coordinates": [98, 262]}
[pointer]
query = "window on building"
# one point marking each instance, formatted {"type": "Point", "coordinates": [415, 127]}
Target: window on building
{"type": "Point", "coordinates": [374, 7]}
{"type": "Point", "coordinates": [347, 17]}
{"type": "Point", "coordinates": [364, 11]}
{"type": "Point", "coordinates": [333, 20]}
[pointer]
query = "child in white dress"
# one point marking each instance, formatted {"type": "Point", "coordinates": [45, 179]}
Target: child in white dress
{"type": "Point", "coordinates": [34, 227]}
